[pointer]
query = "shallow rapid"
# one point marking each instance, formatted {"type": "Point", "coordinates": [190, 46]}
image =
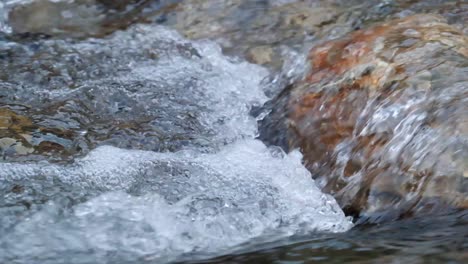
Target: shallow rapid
{"type": "Point", "coordinates": [129, 132]}
{"type": "Point", "coordinates": [159, 162]}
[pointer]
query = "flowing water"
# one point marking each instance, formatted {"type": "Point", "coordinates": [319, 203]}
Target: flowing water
{"type": "Point", "coordinates": [124, 142]}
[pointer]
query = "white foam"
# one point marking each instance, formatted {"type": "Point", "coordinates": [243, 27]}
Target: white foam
{"type": "Point", "coordinates": [204, 203]}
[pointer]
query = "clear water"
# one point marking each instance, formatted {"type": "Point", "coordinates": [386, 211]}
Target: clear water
{"type": "Point", "coordinates": [435, 239]}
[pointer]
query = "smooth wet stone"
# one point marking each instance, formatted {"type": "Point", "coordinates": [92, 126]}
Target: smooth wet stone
{"type": "Point", "coordinates": [80, 18]}
{"type": "Point", "coordinates": [381, 117]}
{"type": "Point", "coordinates": [52, 18]}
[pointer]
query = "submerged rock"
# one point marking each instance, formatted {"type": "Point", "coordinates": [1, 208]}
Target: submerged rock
{"type": "Point", "coordinates": [19, 136]}
{"type": "Point", "coordinates": [143, 88]}
{"type": "Point", "coordinates": [382, 117]}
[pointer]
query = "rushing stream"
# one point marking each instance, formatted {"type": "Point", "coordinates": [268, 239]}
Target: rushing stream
{"type": "Point", "coordinates": [123, 141]}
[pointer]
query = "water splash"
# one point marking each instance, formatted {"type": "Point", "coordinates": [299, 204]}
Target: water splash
{"type": "Point", "coordinates": [163, 205]}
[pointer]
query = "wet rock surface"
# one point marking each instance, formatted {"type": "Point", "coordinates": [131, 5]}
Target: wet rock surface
{"type": "Point", "coordinates": [258, 30]}
{"type": "Point", "coordinates": [381, 117]}
{"type": "Point", "coordinates": [81, 18]}
{"type": "Point", "coordinates": [261, 30]}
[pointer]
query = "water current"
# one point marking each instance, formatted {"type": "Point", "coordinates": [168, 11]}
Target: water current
{"type": "Point", "coordinates": [221, 188]}
{"type": "Point", "coordinates": [139, 146]}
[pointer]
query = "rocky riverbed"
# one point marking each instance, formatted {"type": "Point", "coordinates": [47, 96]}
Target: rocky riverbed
{"type": "Point", "coordinates": [239, 131]}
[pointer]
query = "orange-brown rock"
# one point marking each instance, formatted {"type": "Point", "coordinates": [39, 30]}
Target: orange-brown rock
{"type": "Point", "coordinates": [382, 117]}
{"type": "Point", "coordinates": [19, 136]}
